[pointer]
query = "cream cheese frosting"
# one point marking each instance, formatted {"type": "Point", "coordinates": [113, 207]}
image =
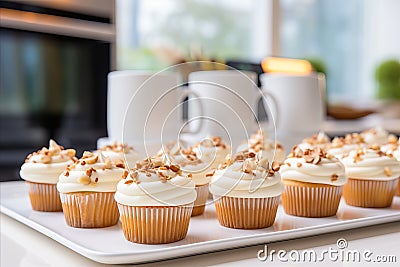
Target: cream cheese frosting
{"type": "Point", "coordinates": [121, 154]}
{"type": "Point", "coordinates": [260, 143]}
{"type": "Point", "coordinates": [212, 150]}
{"type": "Point", "coordinates": [188, 162]}
{"type": "Point", "coordinates": [93, 172]}
{"type": "Point", "coordinates": [371, 164]}
{"type": "Point", "coordinates": [313, 166]}
{"type": "Point", "coordinates": [155, 184]}
{"type": "Point", "coordinates": [45, 165]}
{"type": "Point", "coordinates": [341, 146]}
{"type": "Point", "coordinates": [247, 176]}
{"type": "Point", "coordinates": [392, 147]}
{"type": "Point", "coordinates": [375, 136]}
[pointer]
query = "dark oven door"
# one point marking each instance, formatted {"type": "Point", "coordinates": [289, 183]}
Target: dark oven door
{"type": "Point", "coordinates": [53, 80]}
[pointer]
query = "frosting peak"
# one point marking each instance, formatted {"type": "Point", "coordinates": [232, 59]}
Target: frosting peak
{"type": "Point", "coordinates": [267, 148]}
{"type": "Point", "coordinates": [46, 164]}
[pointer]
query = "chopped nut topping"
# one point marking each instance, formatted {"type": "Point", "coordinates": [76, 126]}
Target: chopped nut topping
{"type": "Point", "coordinates": [84, 180]}
{"type": "Point", "coordinates": [210, 173]}
{"type": "Point", "coordinates": [313, 156]}
{"type": "Point", "coordinates": [125, 174]}
{"type": "Point", "coordinates": [128, 182]}
{"type": "Point", "coordinates": [387, 171]}
{"type": "Point", "coordinates": [334, 177]}
{"type": "Point", "coordinates": [275, 166]}
{"type": "Point", "coordinates": [299, 164]}
{"type": "Point", "coordinates": [46, 159]}
{"type": "Point", "coordinates": [174, 168]}
{"type": "Point", "coordinates": [96, 180]}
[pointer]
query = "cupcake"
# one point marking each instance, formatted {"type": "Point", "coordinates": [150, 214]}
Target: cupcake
{"type": "Point", "coordinates": [313, 183]}
{"type": "Point", "coordinates": [155, 202]}
{"type": "Point", "coordinates": [87, 191]}
{"type": "Point", "coordinates": [121, 154]}
{"type": "Point", "coordinates": [266, 148]}
{"type": "Point", "coordinates": [375, 136]}
{"type": "Point", "coordinates": [41, 170]}
{"type": "Point", "coordinates": [246, 191]}
{"type": "Point", "coordinates": [212, 150]}
{"type": "Point", "coordinates": [196, 169]}
{"type": "Point", "coordinates": [373, 178]}
{"type": "Point", "coordinates": [320, 140]}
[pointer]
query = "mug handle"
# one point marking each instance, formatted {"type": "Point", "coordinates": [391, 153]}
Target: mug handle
{"type": "Point", "coordinates": [186, 93]}
{"type": "Point", "coordinates": [269, 96]}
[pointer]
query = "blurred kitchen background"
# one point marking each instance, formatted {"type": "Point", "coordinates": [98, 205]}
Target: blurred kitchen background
{"type": "Point", "coordinates": [55, 56]}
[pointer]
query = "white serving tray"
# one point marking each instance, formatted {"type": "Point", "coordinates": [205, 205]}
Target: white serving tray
{"type": "Point", "coordinates": [108, 245]}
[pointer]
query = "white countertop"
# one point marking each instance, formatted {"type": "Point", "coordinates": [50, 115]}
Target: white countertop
{"type": "Point", "coordinates": [23, 246]}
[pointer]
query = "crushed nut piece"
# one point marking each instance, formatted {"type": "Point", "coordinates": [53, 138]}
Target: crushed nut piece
{"type": "Point", "coordinates": [84, 180]}
{"type": "Point", "coordinates": [387, 171]}
{"type": "Point", "coordinates": [299, 164]}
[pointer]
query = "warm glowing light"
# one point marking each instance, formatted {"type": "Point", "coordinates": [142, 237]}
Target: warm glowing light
{"type": "Point", "coordinates": [286, 65]}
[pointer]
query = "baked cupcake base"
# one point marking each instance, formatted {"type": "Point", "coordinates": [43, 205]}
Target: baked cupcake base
{"type": "Point", "coordinates": [89, 209]}
{"type": "Point", "coordinates": [310, 199]}
{"type": "Point", "coordinates": [155, 225]}
{"type": "Point", "coordinates": [246, 213]}
{"type": "Point", "coordinates": [199, 203]}
{"type": "Point", "coordinates": [370, 193]}
{"type": "Point", "coordinates": [44, 197]}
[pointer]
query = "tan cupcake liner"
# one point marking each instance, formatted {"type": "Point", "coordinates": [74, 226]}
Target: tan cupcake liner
{"type": "Point", "coordinates": [155, 225]}
{"type": "Point", "coordinates": [89, 209]}
{"type": "Point", "coordinates": [44, 197]}
{"type": "Point", "coordinates": [398, 189]}
{"type": "Point", "coordinates": [246, 213]}
{"type": "Point", "coordinates": [200, 202]}
{"type": "Point", "coordinates": [310, 200]}
{"type": "Point", "coordinates": [369, 193]}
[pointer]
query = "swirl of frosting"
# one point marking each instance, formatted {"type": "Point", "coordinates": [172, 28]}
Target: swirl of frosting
{"type": "Point", "coordinates": [371, 164]}
{"type": "Point", "coordinates": [121, 154]}
{"type": "Point", "coordinates": [155, 184]}
{"type": "Point", "coordinates": [247, 176]}
{"type": "Point", "coordinates": [375, 136]}
{"type": "Point", "coordinates": [187, 161]}
{"type": "Point", "coordinates": [266, 148]}
{"type": "Point", "coordinates": [45, 165]}
{"type": "Point", "coordinates": [93, 172]}
{"type": "Point", "coordinates": [341, 146]}
{"type": "Point", "coordinates": [212, 150]}
{"type": "Point", "coordinates": [313, 166]}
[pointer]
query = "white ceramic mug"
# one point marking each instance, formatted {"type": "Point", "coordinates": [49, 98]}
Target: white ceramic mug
{"type": "Point", "coordinates": [144, 107]}
{"type": "Point", "coordinates": [297, 104]}
{"type": "Point", "coordinates": [229, 99]}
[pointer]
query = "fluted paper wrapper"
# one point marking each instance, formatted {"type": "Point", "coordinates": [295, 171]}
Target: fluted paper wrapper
{"type": "Point", "coordinates": [370, 193]}
{"type": "Point", "coordinates": [199, 203]}
{"type": "Point", "coordinates": [44, 197]}
{"type": "Point", "coordinates": [246, 213]}
{"type": "Point", "coordinates": [89, 209]}
{"type": "Point", "coordinates": [155, 225]}
{"type": "Point", "coordinates": [310, 200]}
{"type": "Point", "coordinates": [398, 189]}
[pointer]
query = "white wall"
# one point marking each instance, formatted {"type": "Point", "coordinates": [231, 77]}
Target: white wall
{"type": "Point", "coordinates": [381, 38]}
